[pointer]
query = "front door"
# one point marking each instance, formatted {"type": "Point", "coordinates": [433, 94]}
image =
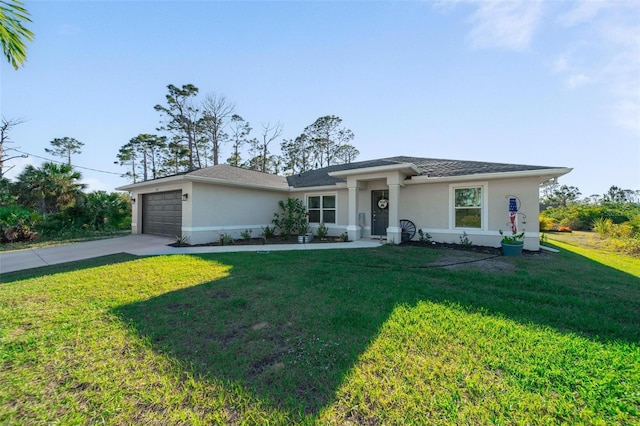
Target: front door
{"type": "Point", "coordinates": [379, 212]}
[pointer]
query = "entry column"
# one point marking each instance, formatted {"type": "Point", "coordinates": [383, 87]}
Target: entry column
{"type": "Point", "coordinates": [394, 233]}
{"type": "Point", "coordinates": [352, 224]}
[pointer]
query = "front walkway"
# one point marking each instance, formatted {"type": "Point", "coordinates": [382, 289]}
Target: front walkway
{"type": "Point", "coordinates": [141, 245]}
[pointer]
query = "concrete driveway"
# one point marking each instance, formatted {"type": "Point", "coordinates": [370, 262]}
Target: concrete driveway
{"type": "Point", "coordinates": [139, 245]}
{"type": "Point", "coordinates": [33, 258]}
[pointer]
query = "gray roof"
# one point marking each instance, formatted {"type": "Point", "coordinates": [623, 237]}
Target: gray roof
{"type": "Point", "coordinates": [229, 173]}
{"type": "Point", "coordinates": [432, 167]}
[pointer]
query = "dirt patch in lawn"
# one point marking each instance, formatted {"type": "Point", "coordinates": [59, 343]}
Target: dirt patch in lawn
{"type": "Point", "coordinates": [458, 259]}
{"type": "Point", "coordinates": [458, 256]}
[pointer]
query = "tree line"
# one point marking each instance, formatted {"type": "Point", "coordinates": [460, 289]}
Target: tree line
{"type": "Point", "coordinates": [614, 215]}
{"type": "Point", "coordinates": [193, 134]}
{"type": "Point", "coordinates": [556, 195]}
{"type": "Point", "coordinates": [50, 200]}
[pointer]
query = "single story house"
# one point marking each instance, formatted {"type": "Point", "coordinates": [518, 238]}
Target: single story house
{"type": "Point", "coordinates": [366, 199]}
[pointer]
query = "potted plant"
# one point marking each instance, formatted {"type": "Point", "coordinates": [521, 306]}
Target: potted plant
{"type": "Point", "coordinates": [512, 244]}
{"type": "Point", "coordinates": [304, 233]}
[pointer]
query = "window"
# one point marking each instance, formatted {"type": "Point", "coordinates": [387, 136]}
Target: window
{"type": "Point", "coordinates": [468, 207]}
{"type": "Point", "coordinates": [322, 208]}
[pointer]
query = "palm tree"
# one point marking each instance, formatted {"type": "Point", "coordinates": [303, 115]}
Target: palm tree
{"type": "Point", "coordinates": [103, 210]}
{"type": "Point", "coordinates": [50, 188]}
{"type": "Point", "coordinates": [13, 35]}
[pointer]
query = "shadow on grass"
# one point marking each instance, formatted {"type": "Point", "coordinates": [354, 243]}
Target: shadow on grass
{"type": "Point", "coordinates": [290, 325]}
{"type": "Point", "coordinates": [59, 268]}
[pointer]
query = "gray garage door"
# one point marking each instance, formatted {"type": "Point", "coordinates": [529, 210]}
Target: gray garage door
{"type": "Point", "coordinates": [162, 213]}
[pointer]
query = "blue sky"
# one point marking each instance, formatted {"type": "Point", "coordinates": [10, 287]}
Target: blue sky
{"type": "Point", "coordinates": [544, 83]}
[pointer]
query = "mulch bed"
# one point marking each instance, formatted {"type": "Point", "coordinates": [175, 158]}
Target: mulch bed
{"type": "Point", "coordinates": [261, 241]}
{"type": "Point", "coordinates": [329, 240]}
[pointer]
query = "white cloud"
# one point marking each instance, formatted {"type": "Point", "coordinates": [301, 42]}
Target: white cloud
{"type": "Point", "coordinates": [626, 113]}
{"type": "Point", "coordinates": [597, 44]}
{"type": "Point", "coordinates": [505, 24]}
{"type": "Point", "coordinates": [576, 80]}
{"type": "Point", "coordinates": [583, 11]}
{"type": "Point", "coordinates": [562, 64]}
{"type": "Point", "coordinates": [15, 166]}
{"type": "Point", "coordinates": [607, 53]}
{"type": "Point", "coordinates": [576, 74]}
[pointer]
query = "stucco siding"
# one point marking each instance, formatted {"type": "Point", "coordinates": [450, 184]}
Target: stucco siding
{"type": "Point", "coordinates": [219, 210]}
{"type": "Point", "coordinates": [425, 205]}
{"type": "Point", "coordinates": [430, 207]}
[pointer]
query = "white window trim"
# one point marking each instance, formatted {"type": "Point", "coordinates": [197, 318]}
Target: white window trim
{"type": "Point", "coordinates": [322, 194]}
{"type": "Point", "coordinates": [484, 210]}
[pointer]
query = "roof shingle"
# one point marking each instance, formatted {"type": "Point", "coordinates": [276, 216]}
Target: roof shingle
{"type": "Point", "coordinates": [431, 167]}
{"type": "Point", "coordinates": [239, 175]}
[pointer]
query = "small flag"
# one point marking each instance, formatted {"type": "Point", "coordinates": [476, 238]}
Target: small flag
{"type": "Point", "coordinates": [513, 214]}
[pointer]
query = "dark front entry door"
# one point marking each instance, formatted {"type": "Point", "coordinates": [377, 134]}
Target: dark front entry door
{"type": "Point", "coordinates": [379, 212]}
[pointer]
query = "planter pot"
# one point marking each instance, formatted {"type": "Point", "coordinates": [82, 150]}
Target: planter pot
{"type": "Point", "coordinates": [302, 239]}
{"type": "Point", "coordinates": [512, 249]}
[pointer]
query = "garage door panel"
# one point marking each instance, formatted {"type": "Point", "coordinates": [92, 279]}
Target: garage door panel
{"type": "Point", "coordinates": [162, 213]}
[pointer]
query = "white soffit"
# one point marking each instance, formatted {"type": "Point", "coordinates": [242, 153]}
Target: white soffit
{"type": "Point", "coordinates": [406, 168]}
{"type": "Point", "coordinates": [542, 173]}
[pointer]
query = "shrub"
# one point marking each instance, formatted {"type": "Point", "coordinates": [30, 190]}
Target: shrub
{"type": "Point", "coordinates": [322, 231]}
{"type": "Point", "coordinates": [18, 224]}
{"type": "Point", "coordinates": [635, 224]}
{"type": "Point", "coordinates": [101, 210]}
{"type": "Point", "coordinates": [10, 215]}
{"type": "Point", "coordinates": [268, 232]}
{"type": "Point", "coordinates": [293, 218]}
{"type": "Point", "coordinates": [226, 240]}
{"type": "Point", "coordinates": [630, 246]}
{"type": "Point", "coordinates": [182, 241]}
{"type": "Point", "coordinates": [623, 230]}
{"type": "Point", "coordinates": [464, 240]}
{"type": "Point", "coordinates": [602, 226]}
{"type": "Point", "coordinates": [548, 224]}
{"type": "Point", "coordinates": [568, 224]}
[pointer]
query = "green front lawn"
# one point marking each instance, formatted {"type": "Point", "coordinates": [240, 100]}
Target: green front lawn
{"type": "Point", "coordinates": [376, 336]}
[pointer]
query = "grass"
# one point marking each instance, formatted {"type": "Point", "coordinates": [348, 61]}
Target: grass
{"type": "Point", "coordinates": [590, 245]}
{"type": "Point", "coordinates": [376, 336]}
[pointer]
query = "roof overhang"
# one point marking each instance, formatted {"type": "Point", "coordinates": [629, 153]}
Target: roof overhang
{"type": "Point", "coordinates": [226, 182]}
{"type": "Point", "coordinates": [320, 188]}
{"type": "Point", "coordinates": [542, 174]}
{"type": "Point", "coordinates": [408, 169]}
{"type": "Point", "coordinates": [147, 183]}
{"type": "Point", "coordinates": [199, 179]}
